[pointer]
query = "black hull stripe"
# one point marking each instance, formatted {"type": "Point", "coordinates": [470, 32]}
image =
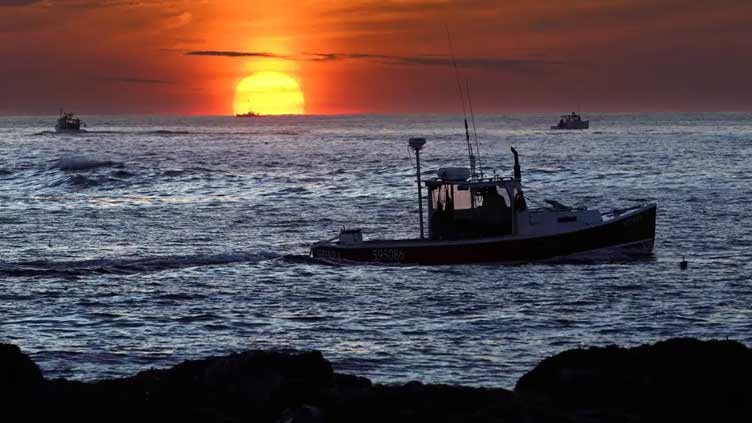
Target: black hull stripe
{"type": "Point", "coordinates": [634, 228]}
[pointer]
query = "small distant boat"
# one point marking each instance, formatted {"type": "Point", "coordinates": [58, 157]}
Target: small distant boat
{"type": "Point", "coordinates": [67, 123]}
{"type": "Point", "coordinates": [248, 115]}
{"type": "Point", "coordinates": [573, 121]}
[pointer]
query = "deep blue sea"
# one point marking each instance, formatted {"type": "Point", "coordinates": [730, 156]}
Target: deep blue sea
{"type": "Point", "coordinates": [149, 240]}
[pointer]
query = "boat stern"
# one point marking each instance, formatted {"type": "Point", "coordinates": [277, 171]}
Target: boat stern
{"type": "Point", "coordinates": [331, 250]}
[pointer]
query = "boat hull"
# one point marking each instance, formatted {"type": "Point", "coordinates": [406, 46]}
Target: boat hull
{"type": "Point", "coordinates": [585, 124]}
{"type": "Point", "coordinates": [68, 127]}
{"type": "Point", "coordinates": [632, 232]}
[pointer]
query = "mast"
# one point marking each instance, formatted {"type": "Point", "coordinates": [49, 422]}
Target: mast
{"type": "Point", "coordinates": [475, 132]}
{"type": "Point", "coordinates": [417, 144]}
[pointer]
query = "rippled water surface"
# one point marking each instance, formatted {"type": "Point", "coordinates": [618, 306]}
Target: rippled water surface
{"type": "Point", "coordinates": [146, 241]}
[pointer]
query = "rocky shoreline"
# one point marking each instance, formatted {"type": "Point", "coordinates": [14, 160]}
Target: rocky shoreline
{"type": "Point", "coordinates": [674, 380]}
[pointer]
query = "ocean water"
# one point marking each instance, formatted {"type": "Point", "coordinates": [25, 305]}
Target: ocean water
{"type": "Point", "coordinates": [149, 240]}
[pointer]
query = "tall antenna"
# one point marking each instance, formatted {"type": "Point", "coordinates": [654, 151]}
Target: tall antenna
{"type": "Point", "coordinates": [475, 132]}
{"type": "Point", "coordinates": [462, 100]}
{"type": "Point", "coordinates": [417, 144]}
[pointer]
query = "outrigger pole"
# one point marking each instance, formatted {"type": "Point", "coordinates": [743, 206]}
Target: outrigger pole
{"type": "Point", "coordinates": [462, 100]}
{"type": "Point", "coordinates": [417, 144]}
{"type": "Point", "coordinates": [475, 132]}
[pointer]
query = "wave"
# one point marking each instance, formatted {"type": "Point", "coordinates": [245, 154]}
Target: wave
{"type": "Point", "coordinates": [166, 132]}
{"type": "Point", "coordinates": [122, 174]}
{"type": "Point", "coordinates": [104, 132]}
{"type": "Point", "coordinates": [285, 191]}
{"type": "Point", "coordinates": [79, 181]}
{"type": "Point", "coordinates": [306, 259]}
{"type": "Point", "coordinates": [173, 173]}
{"type": "Point", "coordinates": [127, 266]}
{"type": "Point", "coordinates": [82, 182]}
{"type": "Point", "coordinates": [65, 133]}
{"type": "Point", "coordinates": [76, 163]}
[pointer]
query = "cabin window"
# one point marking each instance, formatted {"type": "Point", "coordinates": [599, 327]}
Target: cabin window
{"type": "Point", "coordinates": [450, 198]}
{"type": "Point", "coordinates": [491, 197]}
{"type": "Point", "coordinates": [463, 200]}
{"type": "Point", "coordinates": [462, 211]}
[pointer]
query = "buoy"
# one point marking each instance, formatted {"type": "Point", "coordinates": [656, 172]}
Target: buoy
{"type": "Point", "coordinates": [683, 264]}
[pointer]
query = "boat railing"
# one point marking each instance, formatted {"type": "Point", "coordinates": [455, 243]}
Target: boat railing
{"type": "Point", "coordinates": [619, 212]}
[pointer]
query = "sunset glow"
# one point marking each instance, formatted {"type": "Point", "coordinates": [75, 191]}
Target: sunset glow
{"type": "Point", "coordinates": [269, 93]}
{"type": "Point", "coordinates": [363, 56]}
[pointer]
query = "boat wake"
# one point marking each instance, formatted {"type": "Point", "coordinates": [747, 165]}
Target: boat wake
{"type": "Point", "coordinates": [127, 266]}
{"type": "Point", "coordinates": [306, 259]}
{"type": "Point", "coordinates": [80, 132]}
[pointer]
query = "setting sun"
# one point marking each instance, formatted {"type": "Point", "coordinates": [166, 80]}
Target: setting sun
{"type": "Point", "coordinates": [269, 93]}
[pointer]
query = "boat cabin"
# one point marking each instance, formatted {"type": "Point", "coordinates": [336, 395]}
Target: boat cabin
{"type": "Point", "coordinates": [573, 117]}
{"type": "Point", "coordinates": [66, 122]}
{"type": "Point", "coordinates": [459, 208]}
{"type": "Point", "coordinates": [572, 121]}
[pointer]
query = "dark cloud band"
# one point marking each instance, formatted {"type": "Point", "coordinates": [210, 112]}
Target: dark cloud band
{"type": "Point", "coordinates": [498, 64]}
{"type": "Point", "coordinates": [134, 80]}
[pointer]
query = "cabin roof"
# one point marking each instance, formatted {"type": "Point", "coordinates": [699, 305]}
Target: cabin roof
{"type": "Point", "coordinates": [477, 183]}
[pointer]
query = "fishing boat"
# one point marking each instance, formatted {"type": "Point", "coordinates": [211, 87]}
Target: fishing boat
{"type": "Point", "coordinates": [474, 219]}
{"type": "Point", "coordinates": [247, 115]}
{"type": "Point", "coordinates": [572, 121]}
{"type": "Point", "coordinates": [67, 123]}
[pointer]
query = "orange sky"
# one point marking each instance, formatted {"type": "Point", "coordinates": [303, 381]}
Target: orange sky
{"type": "Point", "coordinates": [186, 57]}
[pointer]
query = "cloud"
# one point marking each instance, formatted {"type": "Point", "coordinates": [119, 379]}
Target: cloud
{"type": "Point", "coordinates": [225, 53]}
{"type": "Point", "coordinates": [19, 2]}
{"type": "Point", "coordinates": [496, 64]}
{"type": "Point", "coordinates": [85, 4]}
{"type": "Point", "coordinates": [178, 20]}
{"type": "Point", "coordinates": [131, 80]}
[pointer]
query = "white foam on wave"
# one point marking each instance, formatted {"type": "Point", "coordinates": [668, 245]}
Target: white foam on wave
{"type": "Point", "coordinates": [73, 163]}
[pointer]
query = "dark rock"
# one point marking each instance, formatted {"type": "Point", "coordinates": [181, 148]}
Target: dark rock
{"type": "Point", "coordinates": [416, 402]}
{"type": "Point", "coordinates": [19, 375]}
{"type": "Point", "coordinates": [251, 385]}
{"type": "Point", "coordinates": [678, 378]}
{"type": "Point", "coordinates": [675, 380]}
{"type": "Point", "coordinates": [345, 382]}
{"type": "Point", "coordinates": [303, 414]}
